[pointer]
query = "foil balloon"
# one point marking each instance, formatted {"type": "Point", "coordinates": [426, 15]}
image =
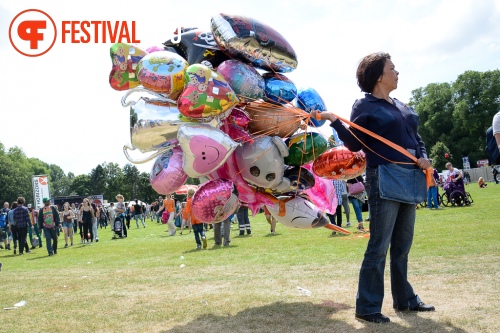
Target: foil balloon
{"type": "Point", "coordinates": [163, 72]}
{"type": "Point", "coordinates": [254, 42]}
{"type": "Point", "coordinates": [322, 194]}
{"type": "Point", "coordinates": [279, 88]}
{"type": "Point", "coordinates": [305, 147]}
{"type": "Point", "coordinates": [270, 119]}
{"type": "Point", "coordinates": [261, 162]}
{"type": "Point", "coordinates": [300, 179]}
{"type": "Point", "coordinates": [309, 100]}
{"type": "Point", "coordinates": [151, 125]}
{"type": "Point", "coordinates": [124, 58]}
{"type": "Point", "coordinates": [214, 201]}
{"type": "Point", "coordinates": [245, 80]}
{"type": "Point", "coordinates": [238, 134]}
{"type": "Point", "coordinates": [300, 213]}
{"type": "Point", "coordinates": [340, 163]}
{"type": "Point", "coordinates": [207, 94]}
{"type": "Point", "coordinates": [205, 148]}
{"type": "Point", "coordinates": [239, 117]}
{"type": "Point", "coordinates": [197, 47]}
{"type": "Point", "coordinates": [167, 175]}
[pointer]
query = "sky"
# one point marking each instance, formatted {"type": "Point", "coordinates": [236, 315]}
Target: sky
{"type": "Point", "coordinates": [59, 107]}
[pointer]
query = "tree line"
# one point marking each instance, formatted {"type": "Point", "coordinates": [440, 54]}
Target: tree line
{"type": "Point", "coordinates": [16, 170]}
{"type": "Point", "coordinates": [454, 116]}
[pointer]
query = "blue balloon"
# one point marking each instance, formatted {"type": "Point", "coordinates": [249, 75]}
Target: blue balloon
{"type": "Point", "coordinates": [279, 88]}
{"type": "Point", "coordinates": [309, 100]}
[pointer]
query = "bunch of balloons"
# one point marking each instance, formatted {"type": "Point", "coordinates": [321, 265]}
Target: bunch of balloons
{"type": "Point", "coordinates": [217, 104]}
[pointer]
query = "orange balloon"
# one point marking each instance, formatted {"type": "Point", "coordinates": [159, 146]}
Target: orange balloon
{"type": "Point", "coordinates": [340, 163]}
{"type": "Point", "coordinates": [272, 120]}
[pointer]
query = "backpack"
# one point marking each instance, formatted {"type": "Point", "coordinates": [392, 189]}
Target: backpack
{"type": "Point", "coordinates": [3, 219]}
{"type": "Point", "coordinates": [118, 224]}
{"type": "Point", "coordinates": [492, 147]}
{"type": "Point", "coordinates": [103, 215]}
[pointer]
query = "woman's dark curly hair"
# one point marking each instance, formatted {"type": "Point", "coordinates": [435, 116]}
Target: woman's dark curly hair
{"type": "Point", "coordinates": [370, 69]}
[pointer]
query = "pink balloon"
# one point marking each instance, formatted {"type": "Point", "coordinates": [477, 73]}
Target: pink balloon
{"type": "Point", "coordinates": [205, 148]}
{"type": "Point", "coordinates": [214, 201]}
{"type": "Point", "coordinates": [322, 194]}
{"type": "Point", "coordinates": [167, 174]}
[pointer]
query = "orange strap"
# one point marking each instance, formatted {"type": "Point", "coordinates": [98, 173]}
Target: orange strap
{"type": "Point", "coordinates": [428, 172]}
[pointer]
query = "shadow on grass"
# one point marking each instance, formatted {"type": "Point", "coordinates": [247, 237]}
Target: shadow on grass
{"type": "Point", "coordinates": [304, 317]}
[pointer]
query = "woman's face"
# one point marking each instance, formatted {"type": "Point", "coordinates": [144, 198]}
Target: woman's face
{"type": "Point", "coordinates": [389, 79]}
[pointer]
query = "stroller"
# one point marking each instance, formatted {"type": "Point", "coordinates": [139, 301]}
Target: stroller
{"type": "Point", "coordinates": [119, 227]}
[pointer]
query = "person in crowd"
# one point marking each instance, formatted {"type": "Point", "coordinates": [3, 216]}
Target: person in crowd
{"type": "Point", "coordinates": [67, 223]}
{"type": "Point", "coordinates": [111, 215]}
{"type": "Point", "coordinates": [391, 222]}
{"type": "Point", "coordinates": [345, 205]}
{"type": "Point", "coordinates": [87, 215]}
{"type": "Point", "coordinates": [243, 220]}
{"type": "Point", "coordinates": [340, 188]}
{"type": "Point", "coordinates": [127, 215]}
{"type": "Point", "coordinates": [197, 225]}
{"type": "Point", "coordinates": [481, 183]}
{"type": "Point", "coordinates": [120, 210]}
{"type": "Point", "coordinates": [76, 213]}
{"type": "Point", "coordinates": [169, 205]}
{"type": "Point", "coordinates": [357, 200]}
{"type": "Point", "coordinates": [4, 227]}
{"type": "Point", "coordinates": [222, 229]}
{"type": "Point", "coordinates": [103, 217]}
{"type": "Point", "coordinates": [496, 128]}
{"type": "Point", "coordinates": [432, 192]}
{"type": "Point", "coordinates": [138, 214]}
{"type": "Point", "coordinates": [12, 227]}
{"type": "Point", "coordinates": [183, 214]}
{"type": "Point", "coordinates": [48, 221]}
{"type": "Point", "coordinates": [178, 216]}
{"type": "Point", "coordinates": [454, 179]}
{"type": "Point", "coordinates": [466, 178]}
{"type": "Point", "coordinates": [158, 207]}
{"type": "Point", "coordinates": [495, 173]}
{"type": "Point", "coordinates": [23, 222]}
{"type": "Point", "coordinates": [270, 219]}
{"type": "Point", "coordinates": [34, 227]}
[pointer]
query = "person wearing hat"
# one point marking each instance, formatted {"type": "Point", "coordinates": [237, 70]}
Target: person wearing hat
{"type": "Point", "coordinates": [48, 220]}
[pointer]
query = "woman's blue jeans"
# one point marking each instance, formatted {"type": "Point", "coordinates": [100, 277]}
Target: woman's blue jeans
{"type": "Point", "coordinates": [432, 195]}
{"type": "Point", "coordinates": [358, 208]}
{"type": "Point", "coordinates": [391, 223]}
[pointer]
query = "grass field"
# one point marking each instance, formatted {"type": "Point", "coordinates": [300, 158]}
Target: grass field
{"type": "Point", "coordinates": [140, 284]}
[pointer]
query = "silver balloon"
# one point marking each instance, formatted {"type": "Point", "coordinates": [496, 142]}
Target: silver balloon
{"type": "Point", "coordinates": [151, 125]}
{"type": "Point", "coordinates": [300, 213]}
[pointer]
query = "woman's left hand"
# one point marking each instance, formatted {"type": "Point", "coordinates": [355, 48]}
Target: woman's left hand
{"type": "Point", "coordinates": [423, 163]}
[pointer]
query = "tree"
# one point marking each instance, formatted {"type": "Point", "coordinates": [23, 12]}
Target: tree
{"type": "Point", "coordinates": [81, 185]}
{"type": "Point", "coordinates": [130, 181]}
{"type": "Point", "coordinates": [457, 114]}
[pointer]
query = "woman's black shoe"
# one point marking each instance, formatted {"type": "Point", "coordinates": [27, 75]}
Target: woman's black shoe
{"type": "Point", "coordinates": [421, 307]}
{"type": "Point", "coordinates": [374, 318]}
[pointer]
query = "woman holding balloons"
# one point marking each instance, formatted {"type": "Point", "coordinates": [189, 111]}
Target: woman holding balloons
{"type": "Point", "coordinates": [391, 221]}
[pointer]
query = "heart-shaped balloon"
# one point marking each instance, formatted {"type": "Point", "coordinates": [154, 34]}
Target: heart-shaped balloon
{"type": "Point", "coordinates": [197, 47]}
{"type": "Point", "coordinates": [244, 79]}
{"type": "Point", "coordinates": [207, 94]}
{"type": "Point", "coordinates": [167, 174]}
{"type": "Point", "coordinates": [300, 213]}
{"type": "Point", "coordinates": [248, 39]}
{"type": "Point", "coordinates": [214, 201]}
{"type": "Point", "coordinates": [305, 147]}
{"type": "Point", "coordinates": [125, 58]}
{"type": "Point", "coordinates": [205, 148]}
{"type": "Point", "coordinates": [340, 163]}
{"type": "Point", "coordinates": [163, 72]}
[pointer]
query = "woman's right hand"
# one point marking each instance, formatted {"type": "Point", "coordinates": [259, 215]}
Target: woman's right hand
{"type": "Point", "coordinates": [318, 115]}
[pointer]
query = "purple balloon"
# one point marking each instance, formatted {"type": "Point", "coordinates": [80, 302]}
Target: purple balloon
{"type": "Point", "coordinates": [214, 201]}
{"type": "Point", "coordinates": [167, 174]}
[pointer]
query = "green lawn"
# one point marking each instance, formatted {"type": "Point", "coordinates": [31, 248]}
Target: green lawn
{"type": "Point", "coordinates": [138, 285]}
